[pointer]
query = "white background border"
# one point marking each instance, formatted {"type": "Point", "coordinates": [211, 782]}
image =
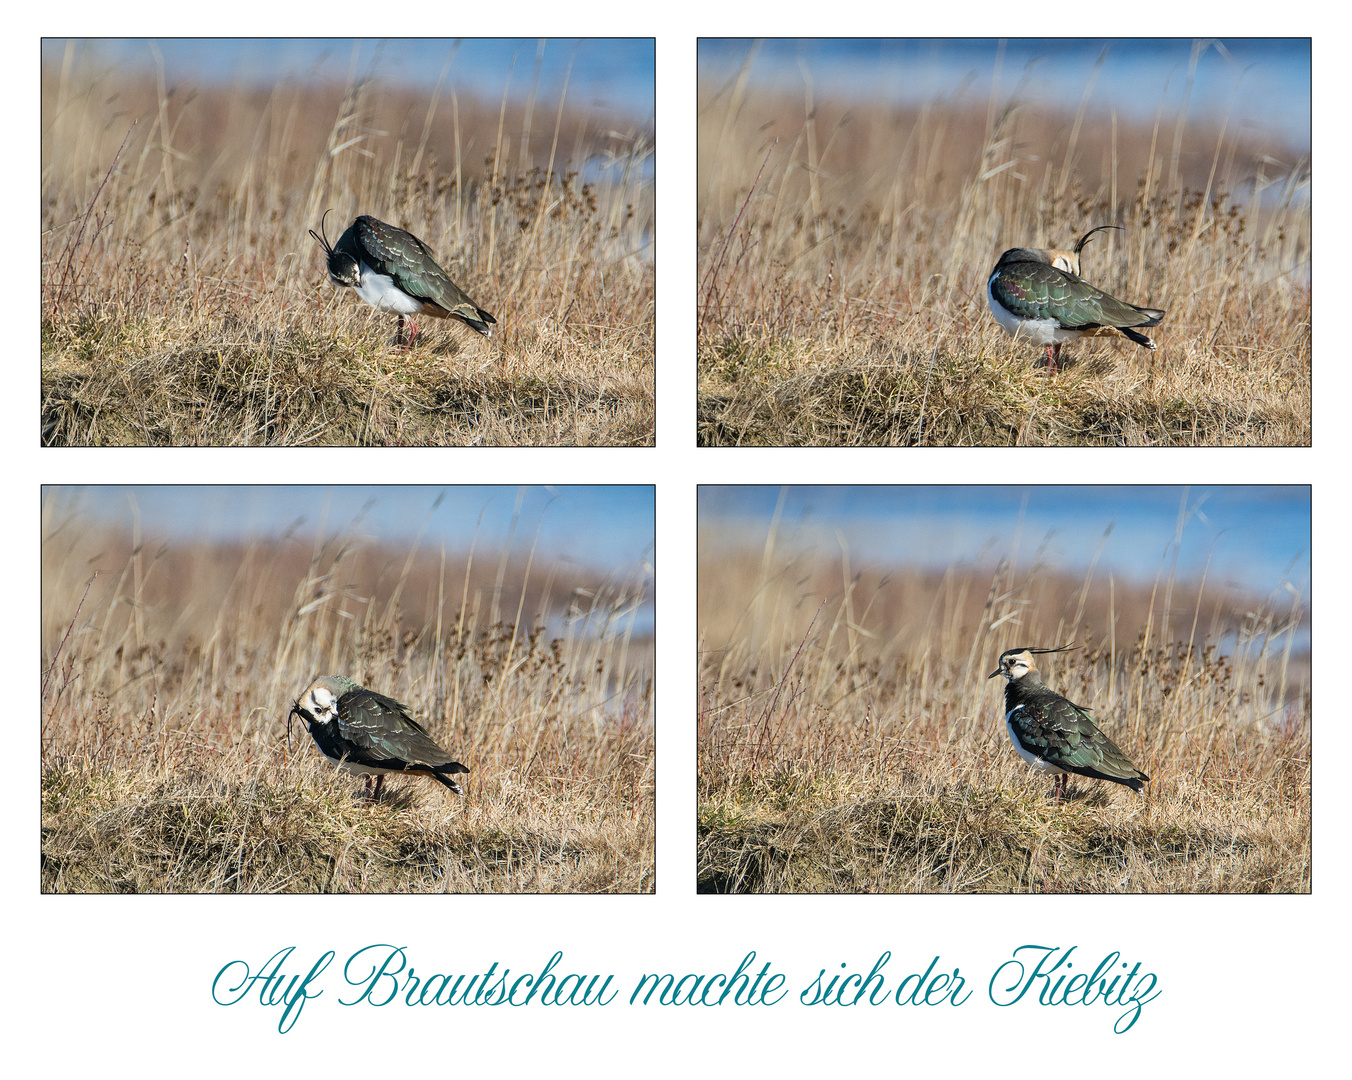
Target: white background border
{"type": "Point", "coordinates": [1249, 983]}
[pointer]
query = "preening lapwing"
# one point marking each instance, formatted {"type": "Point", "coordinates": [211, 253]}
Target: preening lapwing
{"type": "Point", "coordinates": [392, 270]}
{"type": "Point", "coordinates": [369, 734]}
{"type": "Point", "coordinates": [1038, 295]}
{"type": "Point", "coordinates": [1055, 735]}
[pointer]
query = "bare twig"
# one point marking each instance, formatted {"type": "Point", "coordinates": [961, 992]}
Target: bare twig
{"type": "Point", "coordinates": [711, 278]}
{"type": "Point", "coordinates": [73, 244]}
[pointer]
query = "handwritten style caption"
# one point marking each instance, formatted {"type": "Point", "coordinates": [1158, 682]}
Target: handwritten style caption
{"type": "Point", "coordinates": [382, 975]}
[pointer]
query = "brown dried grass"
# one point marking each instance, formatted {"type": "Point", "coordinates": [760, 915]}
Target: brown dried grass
{"type": "Point", "coordinates": [184, 303]}
{"type": "Point", "coordinates": [844, 252]}
{"type": "Point", "coordinates": [167, 765]}
{"type": "Point", "coordinates": [850, 741]}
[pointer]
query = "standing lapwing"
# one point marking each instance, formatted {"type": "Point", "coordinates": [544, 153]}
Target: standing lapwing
{"type": "Point", "coordinates": [393, 270]}
{"type": "Point", "coordinates": [1055, 735]}
{"type": "Point", "coordinates": [369, 735]}
{"type": "Point", "coordinates": [1038, 295]}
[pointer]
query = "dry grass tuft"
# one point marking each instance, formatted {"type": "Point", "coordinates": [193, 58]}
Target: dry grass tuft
{"type": "Point", "coordinates": [184, 303]}
{"type": "Point", "coordinates": [167, 764]}
{"type": "Point", "coordinates": [295, 825]}
{"type": "Point", "coordinates": [849, 740]}
{"type": "Point", "coordinates": [293, 389]}
{"type": "Point", "coordinates": [856, 394]}
{"type": "Point", "coordinates": [844, 253]}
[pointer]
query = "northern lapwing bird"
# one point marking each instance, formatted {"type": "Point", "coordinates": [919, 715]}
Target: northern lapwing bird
{"type": "Point", "coordinates": [1038, 295]}
{"type": "Point", "coordinates": [368, 734]}
{"type": "Point", "coordinates": [392, 270]}
{"type": "Point", "coordinates": [1055, 735]}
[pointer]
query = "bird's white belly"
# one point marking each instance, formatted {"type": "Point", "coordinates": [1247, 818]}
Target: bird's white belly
{"type": "Point", "coordinates": [380, 292]}
{"type": "Point", "coordinates": [1039, 763]}
{"type": "Point", "coordinates": [1036, 331]}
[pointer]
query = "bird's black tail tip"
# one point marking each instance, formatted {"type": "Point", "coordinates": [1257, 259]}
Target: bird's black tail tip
{"type": "Point", "coordinates": [445, 774]}
{"type": "Point", "coordinates": [476, 318]}
{"type": "Point", "coordinates": [1140, 339]}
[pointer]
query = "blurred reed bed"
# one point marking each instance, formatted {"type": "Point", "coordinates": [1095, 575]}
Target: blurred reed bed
{"type": "Point", "coordinates": [184, 300]}
{"type": "Point", "coordinates": [844, 249]}
{"type": "Point", "coordinates": [850, 740]}
{"type": "Point", "coordinates": [169, 670]}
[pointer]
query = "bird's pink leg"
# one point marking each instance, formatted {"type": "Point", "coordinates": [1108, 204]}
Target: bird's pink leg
{"type": "Point", "coordinates": [399, 338]}
{"type": "Point", "coordinates": [1052, 351]}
